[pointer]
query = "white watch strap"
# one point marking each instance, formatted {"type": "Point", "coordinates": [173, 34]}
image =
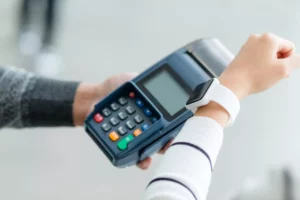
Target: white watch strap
{"type": "Point", "coordinates": [226, 98]}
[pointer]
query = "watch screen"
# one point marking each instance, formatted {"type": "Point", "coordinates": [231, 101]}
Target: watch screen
{"type": "Point", "coordinates": [167, 91]}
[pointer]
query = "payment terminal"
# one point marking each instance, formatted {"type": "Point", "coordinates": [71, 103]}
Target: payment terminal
{"type": "Point", "coordinates": [141, 116]}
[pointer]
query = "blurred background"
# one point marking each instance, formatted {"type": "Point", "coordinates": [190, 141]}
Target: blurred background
{"type": "Point", "coordinates": [93, 39]}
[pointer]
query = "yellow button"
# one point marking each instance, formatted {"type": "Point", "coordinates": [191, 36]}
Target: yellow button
{"type": "Point", "coordinates": [137, 132]}
{"type": "Point", "coordinates": [114, 136]}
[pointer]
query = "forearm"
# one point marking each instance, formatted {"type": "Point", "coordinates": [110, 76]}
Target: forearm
{"type": "Point", "coordinates": [188, 163]}
{"type": "Point", "coordinates": [30, 101]}
{"type": "Point", "coordinates": [185, 172]}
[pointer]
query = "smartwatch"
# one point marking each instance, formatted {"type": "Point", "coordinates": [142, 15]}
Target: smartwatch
{"type": "Point", "coordinates": [212, 90]}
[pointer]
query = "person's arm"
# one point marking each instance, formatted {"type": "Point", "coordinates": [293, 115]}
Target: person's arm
{"type": "Point", "coordinates": [27, 100]}
{"type": "Point", "coordinates": [185, 171]}
{"type": "Point", "coordinates": [30, 101]}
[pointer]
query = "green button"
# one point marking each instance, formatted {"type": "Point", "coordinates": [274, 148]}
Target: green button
{"type": "Point", "coordinates": [122, 145]}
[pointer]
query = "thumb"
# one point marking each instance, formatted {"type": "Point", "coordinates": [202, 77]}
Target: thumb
{"type": "Point", "coordinates": [117, 80]}
{"type": "Point", "coordinates": [128, 76]}
{"type": "Point", "coordinates": [292, 62]}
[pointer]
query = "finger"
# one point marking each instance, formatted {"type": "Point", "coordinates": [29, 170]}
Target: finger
{"type": "Point", "coordinates": [166, 147]}
{"type": "Point", "coordinates": [130, 75]}
{"type": "Point", "coordinates": [119, 79]}
{"type": "Point", "coordinates": [145, 164]}
{"type": "Point", "coordinates": [253, 36]}
{"type": "Point", "coordinates": [292, 62]}
{"type": "Point", "coordinates": [285, 47]}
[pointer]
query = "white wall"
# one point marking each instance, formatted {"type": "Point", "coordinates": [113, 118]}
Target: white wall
{"type": "Point", "coordinates": [101, 38]}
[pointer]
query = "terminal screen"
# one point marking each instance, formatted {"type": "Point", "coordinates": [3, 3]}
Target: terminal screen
{"type": "Point", "coordinates": [167, 91]}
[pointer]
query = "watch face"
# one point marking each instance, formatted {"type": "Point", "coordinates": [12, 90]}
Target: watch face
{"type": "Point", "coordinates": [199, 92]}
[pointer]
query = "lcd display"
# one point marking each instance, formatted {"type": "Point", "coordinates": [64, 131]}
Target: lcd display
{"type": "Point", "coordinates": [167, 91]}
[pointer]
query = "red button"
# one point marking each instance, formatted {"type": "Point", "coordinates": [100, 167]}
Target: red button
{"type": "Point", "coordinates": [131, 94]}
{"type": "Point", "coordinates": [98, 118]}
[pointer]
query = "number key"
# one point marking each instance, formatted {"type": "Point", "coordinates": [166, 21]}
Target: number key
{"type": "Point", "coordinates": [130, 124]}
{"type": "Point", "coordinates": [130, 110]}
{"type": "Point", "coordinates": [138, 119]}
{"type": "Point", "coordinates": [106, 127]}
{"type": "Point", "coordinates": [106, 112]}
{"type": "Point", "coordinates": [122, 130]}
{"type": "Point", "coordinates": [122, 115]}
{"type": "Point", "coordinates": [114, 121]}
{"type": "Point", "coordinates": [114, 106]}
{"type": "Point", "coordinates": [122, 101]}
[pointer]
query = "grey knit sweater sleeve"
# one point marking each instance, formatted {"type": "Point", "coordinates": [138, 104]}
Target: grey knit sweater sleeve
{"type": "Point", "coordinates": [30, 101]}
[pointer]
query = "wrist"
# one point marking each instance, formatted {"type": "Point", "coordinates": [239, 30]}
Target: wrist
{"type": "Point", "coordinates": [86, 97]}
{"type": "Point", "coordinates": [224, 101]}
{"type": "Point", "coordinates": [238, 86]}
{"type": "Point", "coordinates": [236, 82]}
{"type": "Point", "coordinates": [215, 112]}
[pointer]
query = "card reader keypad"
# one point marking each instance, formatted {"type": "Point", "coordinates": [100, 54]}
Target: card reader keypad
{"type": "Point", "coordinates": [125, 119]}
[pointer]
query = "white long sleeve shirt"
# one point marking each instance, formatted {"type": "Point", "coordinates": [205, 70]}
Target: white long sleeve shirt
{"type": "Point", "coordinates": [186, 168]}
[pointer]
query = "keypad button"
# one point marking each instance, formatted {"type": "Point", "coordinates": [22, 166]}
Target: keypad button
{"type": "Point", "coordinates": [145, 127]}
{"type": "Point", "coordinates": [138, 119]}
{"type": "Point", "coordinates": [122, 145]}
{"type": "Point", "coordinates": [114, 121]}
{"type": "Point", "coordinates": [131, 95]}
{"type": "Point", "coordinates": [114, 106]}
{"type": "Point", "coordinates": [130, 124]}
{"type": "Point", "coordinates": [147, 112]}
{"type": "Point", "coordinates": [122, 130]}
{"type": "Point", "coordinates": [106, 127]}
{"type": "Point", "coordinates": [122, 115]}
{"type": "Point", "coordinates": [114, 136]}
{"type": "Point", "coordinates": [106, 112]}
{"type": "Point", "coordinates": [122, 101]}
{"type": "Point", "coordinates": [154, 119]}
{"type": "Point", "coordinates": [137, 132]}
{"type": "Point", "coordinates": [98, 118]}
{"type": "Point", "coordinates": [139, 103]}
{"type": "Point", "coordinates": [130, 110]}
